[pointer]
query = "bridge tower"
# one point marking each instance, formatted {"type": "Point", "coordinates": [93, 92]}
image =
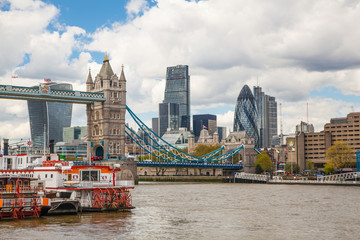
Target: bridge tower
{"type": "Point", "coordinates": [106, 120]}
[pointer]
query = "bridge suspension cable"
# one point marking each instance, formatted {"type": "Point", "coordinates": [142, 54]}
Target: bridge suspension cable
{"type": "Point", "coordinates": [161, 149]}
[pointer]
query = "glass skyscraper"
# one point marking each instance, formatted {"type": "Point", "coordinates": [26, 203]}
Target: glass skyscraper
{"type": "Point", "coordinates": [267, 117]}
{"type": "Point", "coordinates": [168, 117]}
{"type": "Point", "coordinates": [177, 90]}
{"type": "Point", "coordinates": [246, 116]}
{"type": "Point", "coordinates": [201, 121]}
{"type": "Point", "coordinates": [49, 117]}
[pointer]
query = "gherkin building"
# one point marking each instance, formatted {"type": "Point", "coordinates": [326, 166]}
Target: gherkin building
{"type": "Point", "coordinates": [245, 118]}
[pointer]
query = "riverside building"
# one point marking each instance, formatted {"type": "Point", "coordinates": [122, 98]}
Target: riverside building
{"type": "Point", "coordinates": [313, 145]}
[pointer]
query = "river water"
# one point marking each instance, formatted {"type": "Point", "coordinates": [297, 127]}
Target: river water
{"type": "Point", "coordinates": [211, 211]}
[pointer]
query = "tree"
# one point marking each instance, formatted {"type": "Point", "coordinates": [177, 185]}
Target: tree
{"type": "Point", "coordinates": [329, 168]}
{"type": "Point", "coordinates": [310, 165]}
{"type": "Point", "coordinates": [263, 160]}
{"type": "Point", "coordinates": [340, 155]}
{"type": "Point", "coordinates": [258, 169]}
{"type": "Point", "coordinates": [292, 168]}
{"type": "Point", "coordinates": [203, 149]}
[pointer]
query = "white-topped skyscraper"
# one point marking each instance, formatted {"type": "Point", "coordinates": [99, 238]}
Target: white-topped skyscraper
{"type": "Point", "coordinates": [177, 90]}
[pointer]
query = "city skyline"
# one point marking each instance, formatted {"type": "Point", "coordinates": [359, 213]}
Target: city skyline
{"type": "Point", "coordinates": [297, 52]}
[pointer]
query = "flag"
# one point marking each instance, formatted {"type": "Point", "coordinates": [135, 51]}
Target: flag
{"type": "Point", "coordinates": [17, 186]}
{"type": "Point", "coordinates": [47, 80]}
{"type": "Point", "coordinates": [14, 76]}
{"type": "Point", "coordinates": [114, 177]}
{"type": "Point", "coordinates": [204, 127]}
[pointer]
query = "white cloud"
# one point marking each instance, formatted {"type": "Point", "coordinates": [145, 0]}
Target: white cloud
{"type": "Point", "coordinates": [134, 7]}
{"type": "Point", "coordinates": [19, 25]}
{"type": "Point", "coordinates": [50, 56]}
{"type": "Point", "coordinates": [226, 120]}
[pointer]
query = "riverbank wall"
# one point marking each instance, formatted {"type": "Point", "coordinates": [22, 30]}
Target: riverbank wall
{"type": "Point", "coordinates": [180, 178]}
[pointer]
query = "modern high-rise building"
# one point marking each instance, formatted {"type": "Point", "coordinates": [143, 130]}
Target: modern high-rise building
{"type": "Point", "coordinates": [72, 133]}
{"type": "Point", "coordinates": [267, 117]}
{"type": "Point", "coordinates": [246, 116]}
{"type": "Point", "coordinates": [47, 119]}
{"type": "Point", "coordinates": [222, 133]}
{"type": "Point", "coordinates": [177, 90]}
{"type": "Point", "coordinates": [155, 125]}
{"type": "Point", "coordinates": [201, 121]}
{"type": "Point", "coordinates": [168, 117]}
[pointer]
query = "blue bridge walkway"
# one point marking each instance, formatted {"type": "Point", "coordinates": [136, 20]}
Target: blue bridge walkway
{"type": "Point", "coordinates": [189, 165]}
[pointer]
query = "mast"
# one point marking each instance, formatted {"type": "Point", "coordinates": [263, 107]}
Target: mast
{"type": "Point", "coordinates": [281, 127]}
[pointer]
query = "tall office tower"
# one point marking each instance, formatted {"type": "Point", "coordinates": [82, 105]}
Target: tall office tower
{"type": "Point", "coordinates": [177, 90]}
{"type": "Point", "coordinates": [222, 133]}
{"type": "Point", "coordinates": [49, 117]}
{"type": "Point", "coordinates": [246, 116]}
{"type": "Point", "coordinates": [155, 125]}
{"type": "Point", "coordinates": [267, 117]}
{"type": "Point", "coordinates": [169, 117]}
{"type": "Point", "coordinates": [201, 121]}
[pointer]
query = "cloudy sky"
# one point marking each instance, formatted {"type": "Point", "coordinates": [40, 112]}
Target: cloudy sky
{"type": "Point", "coordinates": [300, 52]}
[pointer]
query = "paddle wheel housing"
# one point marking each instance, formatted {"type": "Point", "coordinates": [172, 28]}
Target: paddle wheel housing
{"type": "Point", "coordinates": [112, 198]}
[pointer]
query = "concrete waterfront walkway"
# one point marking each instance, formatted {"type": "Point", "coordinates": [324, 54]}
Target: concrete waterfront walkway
{"type": "Point", "coordinates": [343, 179]}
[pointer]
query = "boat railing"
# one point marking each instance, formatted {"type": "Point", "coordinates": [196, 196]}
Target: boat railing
{"type": "Point", "coordinates": [53, 163]}
{"type": "Point", "coordinates": [25, 189]}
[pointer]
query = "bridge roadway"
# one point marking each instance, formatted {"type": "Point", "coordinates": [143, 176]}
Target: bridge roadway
{"type": "Point", "coordinates": [45, 93]}
{"type": "Point", "coordinates": [169, 164]}
{"type": "Point", "coordinates": [189, 165]}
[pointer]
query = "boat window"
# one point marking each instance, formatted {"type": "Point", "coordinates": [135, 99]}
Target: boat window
{"type": "Point", "coordinates": [90, 175]}
{"type": "Point", "coordinates": [51, 176]}
{"type": "Point", "coordinates": [45, 175]}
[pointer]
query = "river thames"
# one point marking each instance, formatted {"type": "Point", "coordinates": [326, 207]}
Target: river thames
{"type": "Point", "coordinates": [210, 211]}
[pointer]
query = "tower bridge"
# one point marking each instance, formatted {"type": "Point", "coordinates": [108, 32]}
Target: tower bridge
{"type": "Point", "coordinates": [105, 99]}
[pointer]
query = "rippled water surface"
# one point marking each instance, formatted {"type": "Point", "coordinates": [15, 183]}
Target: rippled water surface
{"type": "Point", "coordinates": [211, 211]}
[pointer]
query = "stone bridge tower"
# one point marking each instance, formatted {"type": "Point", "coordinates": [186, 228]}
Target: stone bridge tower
{"type": "Point", "coordinates": [106, 120]}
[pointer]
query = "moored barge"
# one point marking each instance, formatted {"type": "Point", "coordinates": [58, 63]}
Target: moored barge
{"type": "Point", "coordinates": [19, 199]}
{"type": "Point", "coordinates": [73, 187]}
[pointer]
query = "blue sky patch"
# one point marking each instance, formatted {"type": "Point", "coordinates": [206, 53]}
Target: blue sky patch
{"type": "Point", "coordinates": [334, 93]}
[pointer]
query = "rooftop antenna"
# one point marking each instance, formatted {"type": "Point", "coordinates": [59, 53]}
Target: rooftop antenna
{"type": "Point", "coordinates": [307, 112]}
{"type": "Point", "coordinates": [281, 127]}
{"type": "Point", "coordinates": [352, 108]}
